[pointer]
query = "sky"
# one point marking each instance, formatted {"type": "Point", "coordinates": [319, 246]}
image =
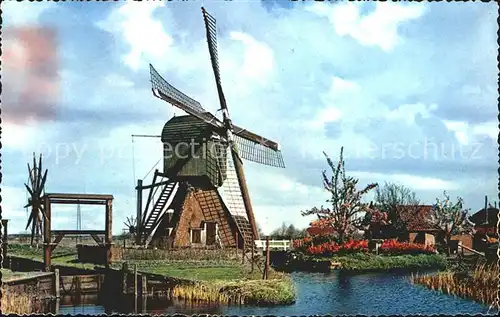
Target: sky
{"type": "Point", "coordinates": [408, 89]}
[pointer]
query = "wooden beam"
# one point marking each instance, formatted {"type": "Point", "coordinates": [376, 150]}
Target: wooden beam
{"type": "Point", "coordinates": [72, 232]}
{"type": "Point", "coordinates": [78, 201]}
{"type": "Point", "coordinates": [150, 197]}
{"type": "Point", "coordinates": [58, 239]}
{"type": "Point", "coordinates": [244, 193]}
{"type": "Point", "coordinates": [153, 185]}
{"type": "Point", "coordinates": [108, 234]}
{"type": "Point", "coordinates": [97, 239]}
{"type": "Point", "coordinates": [78, 196]}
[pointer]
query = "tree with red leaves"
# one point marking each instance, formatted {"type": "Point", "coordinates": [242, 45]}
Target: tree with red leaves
{"type": "Point", "coordinates": [345, 200]}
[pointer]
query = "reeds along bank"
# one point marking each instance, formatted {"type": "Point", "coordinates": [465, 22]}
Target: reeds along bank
{"type": "Point", "coordinates": [481, 285]}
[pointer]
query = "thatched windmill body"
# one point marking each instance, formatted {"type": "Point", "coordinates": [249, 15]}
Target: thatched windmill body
{"type": "Point", "coordinates": [203, 197]}
{"type": "Point", "coordinates": [35, 190]}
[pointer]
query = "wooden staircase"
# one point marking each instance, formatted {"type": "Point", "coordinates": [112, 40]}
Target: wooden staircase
{"type": "Point", "coordinates": [157, 211]}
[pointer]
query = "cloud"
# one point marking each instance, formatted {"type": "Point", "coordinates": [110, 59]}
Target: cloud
{"type": "Point", "coordinates": [22, 14]}
{"type": "Point", "coordinates": [378, 28]}
{"type": "Point", "coordinates": [412, 181]}
{"type": "Point", "coordinates": [135, 22]}
{"type": "Point", "coordinates": [258, 60]}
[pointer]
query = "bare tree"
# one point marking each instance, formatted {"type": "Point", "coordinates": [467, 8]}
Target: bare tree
{"type": "Point", "coordinates": [397, 203]}
{"type": "Point", "coordinates": [345, 200]}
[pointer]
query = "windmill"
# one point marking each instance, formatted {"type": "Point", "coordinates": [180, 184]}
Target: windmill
{"type": "Point", "coordinates": [131, 225]}
{"type": "Point", "coordinates": [212, 172]}
{"type": "Point", "coordinates": [35, 189]}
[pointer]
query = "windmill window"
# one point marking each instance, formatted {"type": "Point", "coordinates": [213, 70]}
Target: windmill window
{"type": "Point", "coordinates": [196, 235]}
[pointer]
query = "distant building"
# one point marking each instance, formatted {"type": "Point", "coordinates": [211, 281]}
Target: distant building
{"type": "Point", "coordinates": [485, 223]}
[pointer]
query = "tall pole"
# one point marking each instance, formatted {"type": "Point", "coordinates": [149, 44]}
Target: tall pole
{"type": "Point", "coordinates": [47, 247]}
{"type": "Point", "coordinates": [266, 268]}
{"type": "Point", "coordinates": [486, 208]}
{"type": "Point", "coordinates": [109, 232]}
{"type": "Point", "coordinates": [139, 213]}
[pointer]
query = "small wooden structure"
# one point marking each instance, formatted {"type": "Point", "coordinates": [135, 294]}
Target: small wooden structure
{"type": "Point", "coordinates": [5, 241]}
{"type": "Point", "coordinates": [85, 199]}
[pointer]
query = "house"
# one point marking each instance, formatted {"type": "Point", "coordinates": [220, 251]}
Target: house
{"type": "Point", "coordinates": [485, 225]}
{"type": "Point", "coordinates": [419, 227]}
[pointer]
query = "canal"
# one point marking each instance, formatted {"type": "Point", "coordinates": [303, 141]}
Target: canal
{"type": "Point", "coordinates": [317, 293]}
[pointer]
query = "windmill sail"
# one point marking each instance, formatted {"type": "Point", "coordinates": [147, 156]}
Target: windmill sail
{"type": "Point", "coordinates": [211, 28]}
{"type": "Point", "coordinates": [231, 194]}
{"type": "Point", "coordinates": [257, 149]}
{"type": "Point", "coordinates": [165, 91]}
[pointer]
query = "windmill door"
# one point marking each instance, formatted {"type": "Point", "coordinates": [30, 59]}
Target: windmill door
{"type": "Point", "coordinates": [211, 228]}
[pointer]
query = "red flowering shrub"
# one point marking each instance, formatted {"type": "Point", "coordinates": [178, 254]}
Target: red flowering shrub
{"type": "Point", "coordinates": [389, 247]}
{"type": "Point", "coordinates": [395, 247]}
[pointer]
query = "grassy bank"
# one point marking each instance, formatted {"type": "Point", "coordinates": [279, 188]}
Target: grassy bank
{"type": "Point", "coordinates": [480, 285]}
{"type": "Point", "coordinates": [227, 282]}
{"type": "Point", "coordinates": [369, 262]}
{"type": "Point", "coordinates": [358, 262]}
{"type": "Point", "coordinates": [277, 291]}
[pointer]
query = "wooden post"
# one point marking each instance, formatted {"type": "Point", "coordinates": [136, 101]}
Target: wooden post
{"type": "Point", "coordinates": [144, 303]}
{"type": "Point", "coordinates": [5, 242]}
{"type": "Point", "coordinates": [486, 208]}
{"type": "Point", "coordinates": [253, 251]}
{"type": "Point", "coordinates": [109, 226]}
{"type": "Point", "coordinates": [56, 308]}
{"type": "Point", "coordinates": [236, 241]}
{"type": "Point", "coordinates": [238, 165]}
{"type": "Point", "coordinates": [144, 283]}
{"type": "Point", "coordinates": [124, 278]}
{"type": "Point", "coordinates": [135, 280]}
{"type": "Point", "coordinates": [243, 253]}
{"type": "Point", "coordinates": [266, 268]}
{"type": "Point", "coordinates": [56, 283]}
{"type": "Point", "coordinates": [47, 247]}
{"type": "Point", "coordinates": [139, 213]}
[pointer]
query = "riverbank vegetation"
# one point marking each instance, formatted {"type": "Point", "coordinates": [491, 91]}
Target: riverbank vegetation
{"type": "Point", "coordinates": [276, 291]}
{"type": "Point", "coordinates": [18, 304]}
{"type": "Point", "coordinates": [480, 285]}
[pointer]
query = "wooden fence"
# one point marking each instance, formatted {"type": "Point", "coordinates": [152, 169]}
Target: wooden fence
{"type": "Point", "coordinates": [281, 245]}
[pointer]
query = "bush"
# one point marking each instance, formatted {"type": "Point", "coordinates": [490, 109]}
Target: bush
{"type": "Point", "coordinates": [388, 247]}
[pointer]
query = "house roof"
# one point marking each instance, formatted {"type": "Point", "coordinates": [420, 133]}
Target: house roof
{"type": "Point", "coordinates": [480, 217]}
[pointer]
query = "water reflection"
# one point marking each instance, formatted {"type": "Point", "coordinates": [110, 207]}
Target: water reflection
{"type": "Point", "coordinates": [317, 293]}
